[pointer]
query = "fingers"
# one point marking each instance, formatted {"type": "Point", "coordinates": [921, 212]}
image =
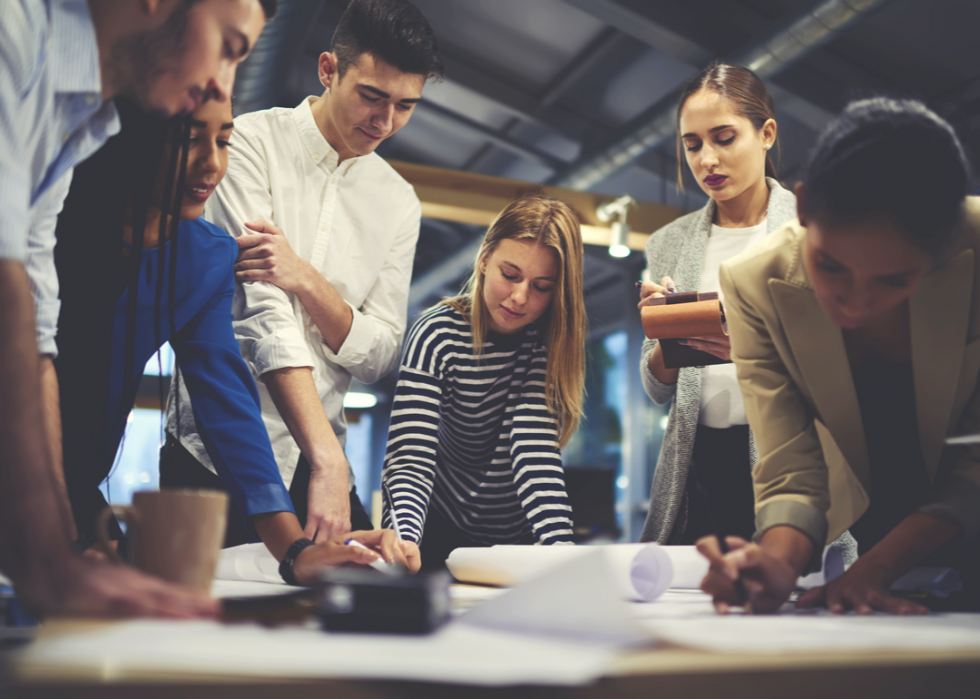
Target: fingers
{"type": "Point", "coordinates": [668, 284]}
{"type": "Point", "coordinates": [413, 556]}
{"type": "Point", "coordinates": [812, 598]}
{"type": "Point", "coordinates": [263, 226]}
{"type": "Point", "coordinates": [249, 240]}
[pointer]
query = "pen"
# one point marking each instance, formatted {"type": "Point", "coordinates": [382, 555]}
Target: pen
{"type": "Point", "coordinates": [390, 501]}
{"type": "Point", "coordinates": [743, 596]}
{"type": "Point", "coordinates": [380, 564]}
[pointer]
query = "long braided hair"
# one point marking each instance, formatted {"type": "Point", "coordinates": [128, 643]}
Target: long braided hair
{"type": "Point", "coordinates": [113, 190]}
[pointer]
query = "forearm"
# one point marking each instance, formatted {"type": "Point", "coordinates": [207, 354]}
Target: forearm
{"type": "Point", "coordinates": [33, 531]}
{"type": "Point", "coordinates": [295, 395]}
{"type": "Point", "coordinates": [278, 531]}
{"type": "Point", "coordinates": [328, 310]}
{"type": "Point", "coordinates": [788, 544]}
{"type": "Point", "coordinates": [914, 538]}
{"type": "Point", "coordinates": [51, 405]}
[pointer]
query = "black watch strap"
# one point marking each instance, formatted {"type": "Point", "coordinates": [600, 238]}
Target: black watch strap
{"type": "Point", "coordinates": [286, 565]}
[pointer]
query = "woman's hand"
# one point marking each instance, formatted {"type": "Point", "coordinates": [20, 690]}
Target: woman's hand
{"type": "Point", "coordinates": [652, 290]}
{"type": "Point", "coordinates": [266, 256]}
{"type": "Point", "coordinates": [864, 587]}
{"type": "Point", "coordinates": [403, 553]}
{"type": "Point", "coordinates": [768, 579]}
{"type": "Point", "coordinates": [380, 544]}
{"type": "Point", "coordinates": [716, 345]}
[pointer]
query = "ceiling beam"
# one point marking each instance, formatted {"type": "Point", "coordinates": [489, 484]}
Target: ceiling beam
{"type": "Point", "coordinates": [466, 197]}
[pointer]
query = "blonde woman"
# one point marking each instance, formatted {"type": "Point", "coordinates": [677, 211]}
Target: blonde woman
{"type": "Point", "coordinates": [490, 389]}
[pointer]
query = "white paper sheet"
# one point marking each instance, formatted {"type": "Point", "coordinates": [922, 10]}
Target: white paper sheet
{"type": "Point", "coordinates": [577, 599]}
{"type": "Point", "coordinates": [814, 631]}
{"type": "Point", "coordinates": [248, 562]}
{"type": "Point", "coordinates": [458, 653]}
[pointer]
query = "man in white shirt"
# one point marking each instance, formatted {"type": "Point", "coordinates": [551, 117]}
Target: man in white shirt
{"type": "Point", "coordinates": [61, 63]}
{"type": "Point", "coordinates": [326, 268]}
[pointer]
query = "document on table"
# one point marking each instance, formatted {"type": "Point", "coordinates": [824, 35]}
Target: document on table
{"type": "Point", "coordinates": [458, 653]}
{"type": "Point", "coordinates": [819, 631]}
{"type": "Point", "coordinates": [563, 629]}
{"type": "Point", "coordinates": [641, 572]}
{"type": "Point", "coordinates": [251, 562]}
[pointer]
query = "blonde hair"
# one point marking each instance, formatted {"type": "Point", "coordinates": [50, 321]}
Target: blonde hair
{"type": "Point", "coordinates": [552, 224]}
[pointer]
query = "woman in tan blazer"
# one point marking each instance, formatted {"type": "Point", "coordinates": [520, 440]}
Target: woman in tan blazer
{"type": "Point", "coordinates": [856, 335]}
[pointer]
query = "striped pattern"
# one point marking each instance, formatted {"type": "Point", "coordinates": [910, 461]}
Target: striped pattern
{"type": "Point", "coordinates": [474, 439]}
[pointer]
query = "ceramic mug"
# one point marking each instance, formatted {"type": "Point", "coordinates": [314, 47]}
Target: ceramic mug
{"type": "Point", "coordinates": [173, 534]}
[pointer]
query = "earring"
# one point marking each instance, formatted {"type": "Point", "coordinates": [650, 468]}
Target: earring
{"type": "Point", "coordinates": [766, 147]}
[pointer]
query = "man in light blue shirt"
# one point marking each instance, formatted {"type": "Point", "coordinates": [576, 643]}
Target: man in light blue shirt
{"type": "Point", "coordinates": [61, 61]}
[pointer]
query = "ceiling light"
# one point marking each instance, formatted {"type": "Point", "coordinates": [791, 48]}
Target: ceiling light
{"type": "Point", "coordinates": [360, 401]}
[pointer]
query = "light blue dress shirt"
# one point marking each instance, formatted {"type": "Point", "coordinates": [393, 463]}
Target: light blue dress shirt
{"type": "Point", "coordinates": [51, 118]}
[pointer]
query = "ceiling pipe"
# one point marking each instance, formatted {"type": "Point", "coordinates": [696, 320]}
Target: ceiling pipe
{"type": "Point", "coordinates": [782, 48]}
{"type": "Point", "coordinates": [258, 82]}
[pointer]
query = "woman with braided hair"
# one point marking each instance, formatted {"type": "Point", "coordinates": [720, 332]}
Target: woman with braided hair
{"type": "Point", "coordinates": [138, 268]}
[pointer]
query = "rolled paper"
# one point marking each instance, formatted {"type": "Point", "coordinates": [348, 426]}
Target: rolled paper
{"type": "Point", "coordinates": [681, 320]}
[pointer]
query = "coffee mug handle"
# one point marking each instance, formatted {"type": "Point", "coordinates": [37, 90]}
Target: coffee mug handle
{"type": "Point", "coordinates": [124, 513]}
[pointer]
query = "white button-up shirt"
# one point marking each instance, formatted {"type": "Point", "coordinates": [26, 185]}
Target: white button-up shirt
{"type": "Point", "coordinates": [356, 222]}
{"type": "Point", "coordinates": [51, 118]}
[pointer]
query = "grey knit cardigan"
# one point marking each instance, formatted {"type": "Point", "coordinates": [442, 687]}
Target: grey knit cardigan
{"type": "Point", "coordinates": [677, 251]}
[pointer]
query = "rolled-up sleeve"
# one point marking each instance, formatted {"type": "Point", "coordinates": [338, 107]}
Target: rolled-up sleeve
{"type": "Point", "coordinates": [39, 263]}
{"type": "Point", "coordinates": [373, 345]}
{"type": "Point", "coordinates": [791, 478]}
{"type": "Point", "coordinates": [265, 322]}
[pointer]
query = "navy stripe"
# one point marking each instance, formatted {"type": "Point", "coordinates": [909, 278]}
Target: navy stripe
{"type": "Point", "coordinates": [473, 437]}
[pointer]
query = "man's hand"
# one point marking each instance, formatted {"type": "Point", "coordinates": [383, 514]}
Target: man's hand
{"type": "Point", "coordinates": [83, 587]}
{"type": "Point", "coordinates": [266, 256]}
{"type": "Point", "coordinates": [768, 579]}
{"type": "Point", "coordinates": [328, 505]}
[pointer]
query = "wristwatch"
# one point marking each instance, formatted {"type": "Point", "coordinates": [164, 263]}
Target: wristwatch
{"type": "Point", "coordinates": [286, 565]}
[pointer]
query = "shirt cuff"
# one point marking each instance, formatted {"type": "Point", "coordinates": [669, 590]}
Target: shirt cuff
{"type": "Point", "coordinates": [956, 499]}
{"type": "Point", "coordinates": [803, 517]}
{"type": "Point", "coordinates": [266, 499]}
{"type": "Point", "coordinates": [283, 349]}
{"type": "Point", "coordinates": [46, 317]}
{"type": "Point", "coordinates": [358, 344]}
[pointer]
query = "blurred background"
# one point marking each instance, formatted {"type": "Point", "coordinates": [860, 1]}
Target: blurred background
{"type": "Point", "coordinates": [581, 94]}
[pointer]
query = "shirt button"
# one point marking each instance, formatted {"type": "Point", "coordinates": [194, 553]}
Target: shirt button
{"type": "Point", "coordinates": [65, 136]}
{"type": "Point", "coordinates": [89, 99]}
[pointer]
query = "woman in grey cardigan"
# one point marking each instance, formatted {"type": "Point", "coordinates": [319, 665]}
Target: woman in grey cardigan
{"type": "Point", "coordinates": [703, 483]}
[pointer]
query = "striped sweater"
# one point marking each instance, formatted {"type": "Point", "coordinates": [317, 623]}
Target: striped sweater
{"type": "Point", "coordinates": [474, 438]}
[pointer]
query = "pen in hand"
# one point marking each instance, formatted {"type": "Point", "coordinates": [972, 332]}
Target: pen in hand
{"type": "Point", "coordinates": [743, 596]}
{"type": "Point", "coordinates": [390, 502]}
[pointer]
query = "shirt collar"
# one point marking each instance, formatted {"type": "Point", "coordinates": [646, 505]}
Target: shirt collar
{"type": "Point", "coordinates": [316, 145]}
{"type": "Point", "coordinates": [74, 50]}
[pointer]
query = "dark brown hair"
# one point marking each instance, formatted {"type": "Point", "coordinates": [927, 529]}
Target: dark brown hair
{"type": "Point", "coordinates": [748, 95]}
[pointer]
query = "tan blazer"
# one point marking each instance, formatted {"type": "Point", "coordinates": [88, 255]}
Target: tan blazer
{"type": "Point", "coordinates": [813, 470]}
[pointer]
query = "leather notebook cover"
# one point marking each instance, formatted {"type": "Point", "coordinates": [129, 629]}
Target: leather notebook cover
{"type": "Point", "coordinates": [683, 315]}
